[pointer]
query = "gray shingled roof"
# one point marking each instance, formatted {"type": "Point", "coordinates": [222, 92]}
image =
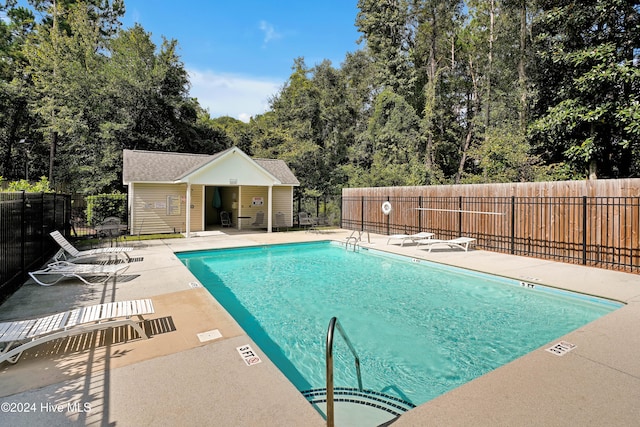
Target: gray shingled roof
{"type": "Point", "coordinates": [159, 166]}
{"type": "Point", "coordinates": [279, 169]}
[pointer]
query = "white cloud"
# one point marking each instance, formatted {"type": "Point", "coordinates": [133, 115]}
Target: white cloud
{"type": "Point", "coordinates": [270, 32]}
{"type": "Point", "coordinates": [232, 95]}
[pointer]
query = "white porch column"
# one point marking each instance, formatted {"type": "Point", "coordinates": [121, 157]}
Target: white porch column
{"type": "Point", "coordinates": [132, 213]}
{"type": "Point", "coordinates": [188, 225]}
{"type": "Point", "coordinates": [238, 220]}
{"type": "Point", "coordinates": [269, 209]}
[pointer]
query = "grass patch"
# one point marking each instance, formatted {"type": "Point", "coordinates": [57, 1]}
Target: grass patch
{"type": "Point", "coordinates": [94, 241]}
{"type": "Point", "coordinates": [153, 237]}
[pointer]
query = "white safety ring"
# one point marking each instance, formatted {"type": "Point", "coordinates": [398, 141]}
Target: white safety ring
{"type": "Point", "coordinates": [386, 208]}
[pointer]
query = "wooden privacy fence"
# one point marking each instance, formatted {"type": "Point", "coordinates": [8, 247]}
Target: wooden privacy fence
{"type": "Point", "coordinates": [593, 223]}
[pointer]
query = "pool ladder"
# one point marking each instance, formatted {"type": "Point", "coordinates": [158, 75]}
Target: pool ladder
{"type": "Point", "coordinates": [355, 242]}
{"type": "Point", "coordinates": [333, 325]}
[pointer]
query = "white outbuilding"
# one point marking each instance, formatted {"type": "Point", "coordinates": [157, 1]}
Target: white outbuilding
{"type": "Point", "coordinates": [181, 192]}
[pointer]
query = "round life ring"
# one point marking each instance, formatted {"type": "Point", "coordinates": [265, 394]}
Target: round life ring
{"type": "Point", "coordinates": [386, 208]}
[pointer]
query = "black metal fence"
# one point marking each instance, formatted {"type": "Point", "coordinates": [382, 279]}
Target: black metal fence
{"type": "Point", "coordinates": [326, 208]}
{"type": "Point", "coordinates": [596, 231]}
{"type": "Point", "coordinates": [26, 219]}
{"type": "Point", "coordinates": [89, 211]}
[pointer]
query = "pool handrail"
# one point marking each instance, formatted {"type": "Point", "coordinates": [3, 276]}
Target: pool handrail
{"type": "Point", "coordinates": [355, 243]}
{"type": "Point", "coordinates": [333, 324]}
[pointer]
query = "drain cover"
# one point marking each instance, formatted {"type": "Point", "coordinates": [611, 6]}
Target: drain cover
{"type": "Point", "coordinates": [561, 348]}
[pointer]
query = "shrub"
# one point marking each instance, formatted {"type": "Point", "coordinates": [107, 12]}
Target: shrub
{"type": "Point", "coordinates": [102, 206]}
{"type": "Point", "coordinates": [41, 186]}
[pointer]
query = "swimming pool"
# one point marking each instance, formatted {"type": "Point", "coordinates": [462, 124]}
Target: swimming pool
{"type": "Point", "coordinates": [420, 329]}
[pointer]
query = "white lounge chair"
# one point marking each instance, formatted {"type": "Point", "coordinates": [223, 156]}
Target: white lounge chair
{"type": "Point", "coordinates": [413, 237]}
{"type": "Point", "coordinates": [88, 273]}
{"type": "Point", "coordinates": [459, 242]}
{"type": "Point", "coordinates": [75, 254]}
{"type": "Point", "coordinates": [21, 335]}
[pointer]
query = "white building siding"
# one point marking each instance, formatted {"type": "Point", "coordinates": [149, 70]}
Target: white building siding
{"type": "Point", "coordinates": [251, 196]}
{"type": "Point", "coordinates": [161, 208]}
{"type": "Point", "coordinates": [282, 202]}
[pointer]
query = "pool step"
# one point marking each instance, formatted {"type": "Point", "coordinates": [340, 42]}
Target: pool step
{"type": "Point", "coordinates": [355, 407]}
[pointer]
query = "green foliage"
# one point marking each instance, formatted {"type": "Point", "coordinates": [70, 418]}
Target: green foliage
{"type": "Point", "coordinates": [503, 156]}
{"type": "Point", "coordinates": [80, 90]}
{"type": "Point", "coordinates": [102, 206]}
{"type": "Point", "coordinates": [386, 27]}
{"type": "Point", "coordinates": [41, 186]}
{"type": "Point", "coordinates": [441, 91]}
{"type": "Point", "coordinates": [589, 108]}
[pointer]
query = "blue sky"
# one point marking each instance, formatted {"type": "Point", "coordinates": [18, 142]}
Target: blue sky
{"type": "Point", "coordinates": [240, 53]}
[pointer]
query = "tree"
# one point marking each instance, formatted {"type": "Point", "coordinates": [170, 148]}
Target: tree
{"type": "Point", "coordinates": [105, 13]}
{"type": "Point", "coordinates": [232, 132]}
{"type": "Point", "coordinates": [384, 25]}
{"type": "Point", "coordinates": [434, 53]}
{"type": "Point", "coordinates": [65, 67]}
{"type": "Point", "coordinates": [588, 79]}
{"type": "Point", "coordinates": [393, 133]}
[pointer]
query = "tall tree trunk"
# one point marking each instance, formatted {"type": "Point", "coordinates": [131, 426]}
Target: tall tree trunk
{"type": "Point", "coordinates": [593, 169]}
{"type": "Point", "coordinates": [430, 89]}
{"type": "Point", "coordinates": [593, 165]}
{"type": "Point", "coordinates": [522, 77]}
{"type": "Point", "coordinates": [473, 105]}
{"type": "Point", "coordinates": [52, 155]}
{"type": "Point", "coordinates": [463, 157]}
{"type": "Point", "coordinates": [54, 133]}
{"type": "Point", "coordinates": [490, 63]}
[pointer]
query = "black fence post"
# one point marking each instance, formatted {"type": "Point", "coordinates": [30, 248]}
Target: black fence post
{"type": "Point", "coordinates": [388, 217]}
{"type": "Point", "coordinates": [513, 225]}
{"type": "Point", "coordinates": [42, 225]}
{"type": "Point", "coordinates": [55, 214]}
{"type": "Point", "coordinates": [362, 213]}
{"type": "Point", "coordinates": [23, 234]}
{"type": "Point", "coordinates": [584, 230]}
{"type": "Point", "coordinates": [459, 215]}
{"type": "Point", "coordinates": [419, 214]}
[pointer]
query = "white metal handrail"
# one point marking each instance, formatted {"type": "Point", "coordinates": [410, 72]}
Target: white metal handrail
{"type": "Point", "coordinates": [334, 324]}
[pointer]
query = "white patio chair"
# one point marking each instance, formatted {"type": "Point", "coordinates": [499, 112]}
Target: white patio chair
{"type": "Point", "coordinates": [21, 335]}
{"type": "Point", "coordinates": [459, 242]}
{"type": "Point", "coordinates": [74, 254]}
{"type": "Point", "coordinates": [305, 220]}
{"type": "Point", "coordinates": [259, 219]}
{"type": "Point", "coordinates": [412, 237]}
{"type": "Point", "coordinates": [88, 273]}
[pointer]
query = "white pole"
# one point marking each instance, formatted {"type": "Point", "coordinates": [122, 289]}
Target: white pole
{"type": "Point", "coordinates": [460, 211]}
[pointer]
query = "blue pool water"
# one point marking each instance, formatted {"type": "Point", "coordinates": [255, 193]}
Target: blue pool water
{"type": "Point", "coordinates": [419, 328]}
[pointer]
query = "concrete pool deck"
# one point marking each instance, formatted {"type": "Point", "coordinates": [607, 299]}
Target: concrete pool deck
{"type": "Point", "coordinates": [173, 378]}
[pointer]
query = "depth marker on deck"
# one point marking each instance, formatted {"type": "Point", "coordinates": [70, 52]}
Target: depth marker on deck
{"type": "Point", "coordinates": [561, 348]}
{"type": "Point", "coordinates": [248, 355]}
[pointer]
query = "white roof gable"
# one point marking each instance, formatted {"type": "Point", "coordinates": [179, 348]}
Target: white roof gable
{"type": "Point", "coordinates": [233, 167]}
